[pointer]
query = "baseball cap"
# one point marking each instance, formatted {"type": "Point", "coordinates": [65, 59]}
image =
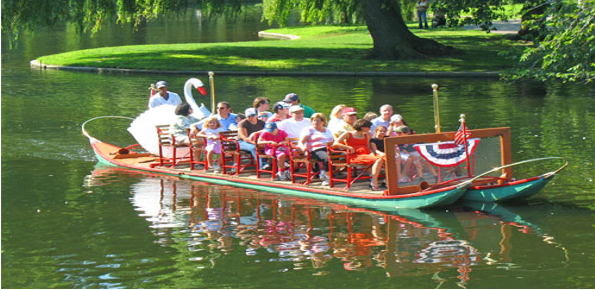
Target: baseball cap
{"type": "Point", "coordinates": [280, 105]}
{"type": "Point", "coordinates": [250, 112]}
{"type": "Point", "coordinates": [349, 111]}
{"type": "Point", "coordinates": [270, 127]}
{"type": "Point", "coordinates": [160, 84]}
{"type": "Point", "coordinates": [295, 108]}
{"type": "Point", "coordinates": [396, 118]}
{"type": "Point", "coordinates": [291, 97]}
{"type": "Point", "coordinates": [402, 129]}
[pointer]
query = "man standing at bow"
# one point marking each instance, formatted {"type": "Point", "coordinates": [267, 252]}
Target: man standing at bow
{"type": "Point", "coordinates": [164, 97]}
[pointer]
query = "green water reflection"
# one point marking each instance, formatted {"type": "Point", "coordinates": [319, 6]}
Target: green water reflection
{"type": "Point", "coordinates": [66, 224]}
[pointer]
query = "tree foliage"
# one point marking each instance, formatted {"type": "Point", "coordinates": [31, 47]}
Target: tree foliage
{"type": "Point", "coordinates": [564, 43]}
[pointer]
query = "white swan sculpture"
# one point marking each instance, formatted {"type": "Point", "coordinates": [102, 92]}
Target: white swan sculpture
{"type": "Point", "coordinates": [142, 127]}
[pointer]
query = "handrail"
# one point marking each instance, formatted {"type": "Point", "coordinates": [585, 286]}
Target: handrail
{"type": "Point", "coordinates": [545, 175]}
{"type": "Point", "coordinates": [100, 117]}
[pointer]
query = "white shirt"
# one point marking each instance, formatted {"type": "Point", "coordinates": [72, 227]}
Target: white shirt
{"type": "Point", "coordinates": [292, 127]}
{"type": "Point", "coordinates": [157, 100]}
{"type": "Point", "coordinates": [316, 139]}
{"type": "Point", "coordinates": [379, 121]}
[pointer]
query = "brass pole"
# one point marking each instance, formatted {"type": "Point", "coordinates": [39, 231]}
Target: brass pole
{"type": "Point", "coordinates": [436, 109]}
{"type": "Point", "coordinates": [212, 85]}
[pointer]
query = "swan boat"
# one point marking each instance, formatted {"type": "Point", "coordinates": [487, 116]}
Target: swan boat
{"type": "Point", "coordinates": [445, 190]}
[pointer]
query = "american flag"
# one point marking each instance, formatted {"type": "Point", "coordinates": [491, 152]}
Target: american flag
{"type": "Point", "coordinates": [460, 137]}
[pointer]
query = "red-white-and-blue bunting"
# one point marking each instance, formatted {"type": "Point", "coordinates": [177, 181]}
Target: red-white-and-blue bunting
{"type": "Point", "coordinates": [446, 154]}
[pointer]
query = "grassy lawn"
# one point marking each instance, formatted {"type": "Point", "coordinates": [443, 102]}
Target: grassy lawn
{"type": "Point", "coordinates": [320, 48]}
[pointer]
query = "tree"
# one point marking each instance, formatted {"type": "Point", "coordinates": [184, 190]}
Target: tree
{"type": "Point", "coordinates": [564, 43]}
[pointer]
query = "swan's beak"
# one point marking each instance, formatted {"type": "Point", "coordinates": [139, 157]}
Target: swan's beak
{"type": "Point", "coordinates": [202, 90]}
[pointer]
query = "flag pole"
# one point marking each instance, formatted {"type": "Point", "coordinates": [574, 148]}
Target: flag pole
{"type": "Point", "coordinates": [212, 85]}
{"type": "Point", "coordinates": [436, 109]}
{"type": "Point", "coordinates": [462, 120]}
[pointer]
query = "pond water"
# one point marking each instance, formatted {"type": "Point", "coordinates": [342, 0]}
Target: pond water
{"type": "Point", "coordinates": [67, 223]}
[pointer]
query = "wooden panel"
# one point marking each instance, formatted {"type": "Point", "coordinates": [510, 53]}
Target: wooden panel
{"type": "Point", "coordinates": [391, 142]}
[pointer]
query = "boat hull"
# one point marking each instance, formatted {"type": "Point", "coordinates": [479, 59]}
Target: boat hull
{"type": "Point", "coordinates": [424, 199]}
{"type": "Point", "coordinates": [520, 189]}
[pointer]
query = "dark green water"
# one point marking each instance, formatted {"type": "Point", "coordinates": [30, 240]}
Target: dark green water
{"type": "Point", "coordinates": [69, 224]}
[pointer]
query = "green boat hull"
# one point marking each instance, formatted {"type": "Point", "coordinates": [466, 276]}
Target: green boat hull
{"type": "Point", "coordinates": [518, 190]}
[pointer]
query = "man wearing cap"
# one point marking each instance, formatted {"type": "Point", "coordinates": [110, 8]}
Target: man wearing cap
{"type": "Point", "coordinates": [164, 97]}
{"type": "Point", "coordinates": [346, 124]}
{"type": "Point", "coordinates": [386, 112]}
{"type": "Point", "coordinates": [224, 116]}
{"type": "Point", "coordinates": [293, 99]}
{"type": "Point", "coordinates": [246, 128]}
{"type": "Point", "coordinates": [281, 110]}
{"type": "Point", "coordinates": [294, 125]}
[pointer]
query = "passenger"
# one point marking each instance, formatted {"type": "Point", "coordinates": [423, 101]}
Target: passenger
{"type": "Point", "coordinates": [314, 139]}
{"type": "Point", "coordinates": [239, 118]}
{"type": "Point", "coordinates": [370, 116]}
{"type": "Point", "coordinates": [210, 130]}
{"type": "Point", "coordinates": [377, 146]}
{"type": "Point", "coordinates": [276, 140]}
{"type": "Point", "coordinates": [409, 155]}
{"type": "Point", "coordinates": [224, 115]}
{"type": "Point", "coordinates": [182, 122]}
{"type": "Point", "coordinates": [397, 121]}
{"type": "Point", "coordinates": [246, 128]}
{"type": "Point", "coordinates": [294, 100]}
{"type": "Point", "coordinates": [346, 124]}
{"type": "Point", "coordinates": [164, 97]}
{"type": "Point", "coordinates": [281, 110]}
{"type": "Point", "coordinates": [386, 112]}
{"type": "Point", "coordinates": [262, 104]}
{"type": "Point", "coordinates": [294, 126]}
{"type": "Point", "coordinates": [336, 115]}
{"type": "Point", "coordinates": [263, 116]}
{"type": "Point", "coordinates": [358, 143]}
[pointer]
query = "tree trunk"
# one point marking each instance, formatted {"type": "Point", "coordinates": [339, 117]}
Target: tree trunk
{"type": "Point", "coordinates": [392, 39]}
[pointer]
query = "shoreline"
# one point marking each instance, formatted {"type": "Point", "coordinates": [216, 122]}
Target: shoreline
{"type": "Point", "coordinates": [36, 64]}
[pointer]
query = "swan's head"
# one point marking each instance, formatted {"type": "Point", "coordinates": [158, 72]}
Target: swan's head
{"type": "Point", "coordinates": [198, 85]}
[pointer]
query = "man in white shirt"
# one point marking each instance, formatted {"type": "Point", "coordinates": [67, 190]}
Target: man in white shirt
{"type": "Point", "coordinates": [294, 125]}
{"type": "Point", "coordinates": [163, 97]}
{"type": "Point", "coordinates": [386, 111]}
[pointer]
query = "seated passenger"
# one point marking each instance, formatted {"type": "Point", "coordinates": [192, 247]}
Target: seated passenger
{"type": "Point", "coordinates": [294, 100]}
{"type": "Point", "coordinates": [210, 130]}
{"type": "Point", "coordinates": [377, 145]}
{"type": "Point", "coordinates": [273, 138]}
{"type": "Point", "coordinates": [386, 112]}
{"type": "Point", "coordinates": [346, 124]}
{"type": "Point", "coordinates": [262, 104]}
{"type": "Point", "coordinates": [182, 122]}
{"type": "Point", "coordinates": [314, 139]}
{"type": "Point", "coordinates": [336, 115]}
{"type": "Point", "coordinates": [164, 97]}
{"type": "Point", "coordinates": [358, 143]}
{"type": "Point", "coordinates": [246, 128]}
{"type": "Point", "coordinates": [224, 115]}
{"type": "Point", "coordinates": [294, 126]}
{"type": "Point", "coordinates": [409, 155]}
{"type": "Point", "coordinates": [281, 110]}
{"type": "Point", "coordinates": [370, 116]}
{"type": "Point", "coordinates": [239, 118]}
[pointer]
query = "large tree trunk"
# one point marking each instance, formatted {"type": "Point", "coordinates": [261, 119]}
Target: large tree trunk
{"type": "Point", "coordinates": [392, 38]}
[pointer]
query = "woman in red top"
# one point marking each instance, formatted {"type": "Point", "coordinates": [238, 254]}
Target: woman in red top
{"type": "Point", "coordinates": [358, 143]}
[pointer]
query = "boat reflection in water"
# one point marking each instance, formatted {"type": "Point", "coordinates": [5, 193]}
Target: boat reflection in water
{"type": "Point", "coordinates": [206, 222]}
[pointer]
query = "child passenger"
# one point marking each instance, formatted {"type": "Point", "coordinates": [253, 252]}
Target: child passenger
{"type": "Point", "coordinates": [276, 141]}
{"type": "Point", "coordinates": [210, 130]}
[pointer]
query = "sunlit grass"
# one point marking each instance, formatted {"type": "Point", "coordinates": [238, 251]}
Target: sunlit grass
{"type": "Point", "coordinates": [320, 48]}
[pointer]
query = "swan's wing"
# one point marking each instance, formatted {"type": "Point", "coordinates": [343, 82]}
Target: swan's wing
{"type": "Point", "coordinates": [143, 127]}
